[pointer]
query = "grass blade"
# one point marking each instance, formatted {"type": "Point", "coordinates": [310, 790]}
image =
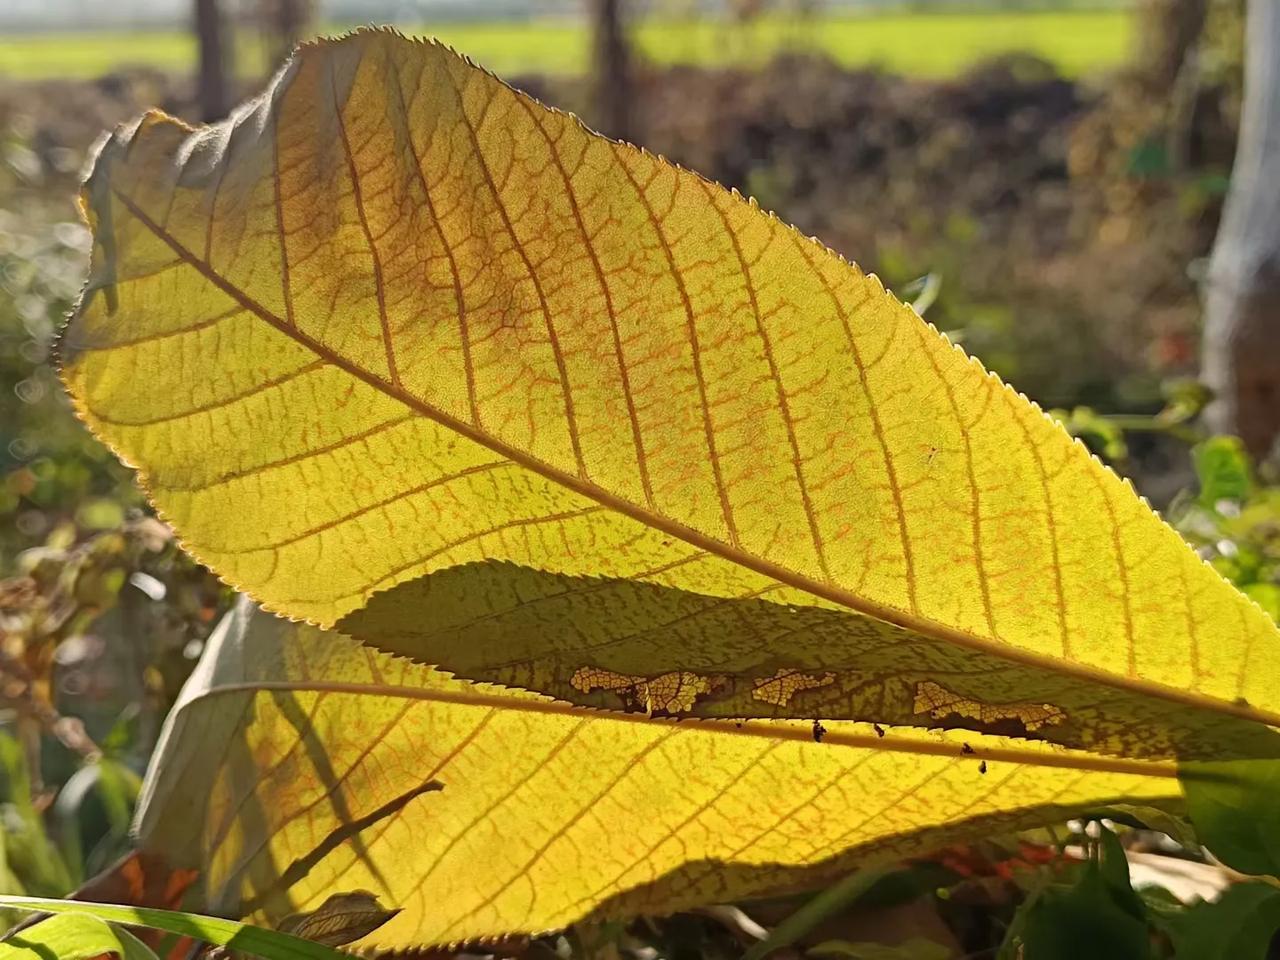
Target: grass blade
{"type": "Point", "coordinates": [268, 944]}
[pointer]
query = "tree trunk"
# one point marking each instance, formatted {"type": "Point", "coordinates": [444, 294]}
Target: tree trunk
{"type": "Point", "coordinates": [1168, 31]}
{"type": "Point", "coordinates": [212, 94]}
{"type": "Point", "coordinates": [1242, 308]}
{"type": "Point", "coordinates": [611, 69]}
{"type": "Point", "coordinates": [290, 26]}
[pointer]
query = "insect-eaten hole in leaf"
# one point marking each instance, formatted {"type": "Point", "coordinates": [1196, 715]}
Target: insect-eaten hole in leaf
{"type": "Point", "coordinates": [667, 693]}
{"type": "Point", "coordinates": [676, 692]}
{"type": "Point", "coordinates": [950, 709]}
{"type": "Point", "coordinates": [783, 685]}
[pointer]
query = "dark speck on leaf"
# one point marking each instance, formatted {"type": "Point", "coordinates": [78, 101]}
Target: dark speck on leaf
{"type": "Point", "coordinates": [819, 731]}
{"type": "Point", "coordinates": [966, 749]}
{"type": "Point", "coordinates": [878, 729]}
{"type": "Point", "coordinates": [982, 767]}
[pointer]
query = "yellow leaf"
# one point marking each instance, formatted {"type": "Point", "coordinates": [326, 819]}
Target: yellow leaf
{"type": "Point", "coordinates": [398, 349]}
{"type": "Point", "coordinates": [298, 763]}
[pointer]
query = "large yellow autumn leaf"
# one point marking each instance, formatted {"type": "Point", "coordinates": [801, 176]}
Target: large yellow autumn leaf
{"type": "Point", "coordinates": [299, 765]}
{"type": "Point", "coordinates": [400, 350]}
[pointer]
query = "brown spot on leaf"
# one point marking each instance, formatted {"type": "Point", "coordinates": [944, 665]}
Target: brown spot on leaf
{"type": "Point", "coordinates": [1004, 719]}
{"type": "Point", "coordinates": [673, 692]}
{"type": "Point", "coordinates": [783, 685]}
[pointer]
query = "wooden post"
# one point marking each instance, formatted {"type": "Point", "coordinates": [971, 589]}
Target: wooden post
{"type": "Point", "coordinates": [212, 93]}
{"type": "Point", "coordinates": [1168, 31]}
{"type": "Point", "coordinates": [1242, 304]}
{"type": "Point", "coordinates": [611, 70]}
{"type": "Point", "coordinates": [291, 24]}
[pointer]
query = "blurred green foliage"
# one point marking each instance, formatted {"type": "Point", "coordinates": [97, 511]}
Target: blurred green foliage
{"type": "Point", "coordinates": [52, 472]}
{"type": "Point", "coordinates": [1233, 518]}
{"type": "Point", "coordinates": [75, 936]}
{"type": "Point", "coordinates": [1241, 923]}
{"type": "Point", "coordinates": [239, 939]}
{"type": "Point", "coordinates": [32, 863]}
{"type": "Point", "coordinates": [101, 616]}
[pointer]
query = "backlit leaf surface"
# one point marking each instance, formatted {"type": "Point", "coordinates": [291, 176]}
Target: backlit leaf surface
{"type": "Point", "coordinates": [648, 446]}
{"type": "Point", "coordinates": [300, 764]}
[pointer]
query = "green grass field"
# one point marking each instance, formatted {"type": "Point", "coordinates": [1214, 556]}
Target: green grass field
{"type": "Point", "coordinates": [923, 44]}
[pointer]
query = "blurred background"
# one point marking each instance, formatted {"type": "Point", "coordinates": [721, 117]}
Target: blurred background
{"type": "Point", "coordinates": [1045, 179]}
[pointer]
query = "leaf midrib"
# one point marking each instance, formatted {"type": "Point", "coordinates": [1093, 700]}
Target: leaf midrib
{"type": "Point", "coordinates": [902, 618]}
{"type": "Point", "coordinates": [797, 731]}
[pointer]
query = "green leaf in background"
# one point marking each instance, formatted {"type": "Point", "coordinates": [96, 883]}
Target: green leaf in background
{"type": "Point", "coordinates": [1142, 817]}
{"type": "Point", "coordinates": [917, 948]}
{"type": "Point", "coordinates": [98, 797]}
{"type": "Point", "coordinates": [255, 941]}
{"type": "Point", "coordinates": [1236, 812]}
{"type": "Point", "coordinates": [1222, 467]}
{"type": "Point", "coordinates": [1238, 926]}
{"type": "Point", "coordinates": [1113, 866]}
{"type": "Point", "coordinates": [1100, 917]}
{"type": "Point", "coordinates": [73, 936]}
{"type": "Point", "coordinates": [1100, 433]}
{"type": "Point", "coordinates": [31, 862]}
{"type": "Point", "coordinates": [824, 905]}
{"type": "Point", "coordinates": [1265, 595]}
{"type": "Point", "coordinates": [866, 892]}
